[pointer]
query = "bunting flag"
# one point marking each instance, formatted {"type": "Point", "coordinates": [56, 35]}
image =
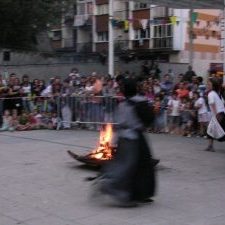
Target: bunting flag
{"type": "Point", "coordinates": [173, 20]}
{"type": "Point", "coordinates": [194, 17]}
{"type": "Point", "coordinates": [126, 25]}
{"type": "Point", "coordinates": [144, 23]}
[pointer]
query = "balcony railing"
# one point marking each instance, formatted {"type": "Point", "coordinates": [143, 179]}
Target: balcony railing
{"type": "Point", "coordinates": [84, 47]}
{"type": "Point", "coordinates": [82, 20]}
{"type": "Point", "coordinates": [166, 42]}
{"type": "Point", "coordinates": [121, 45]}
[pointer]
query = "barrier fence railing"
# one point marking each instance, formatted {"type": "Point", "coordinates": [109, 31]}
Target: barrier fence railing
{"type": "Point", "coordinates": [77, 110]}
{"type": "Point", "coordinates": [90, 111]}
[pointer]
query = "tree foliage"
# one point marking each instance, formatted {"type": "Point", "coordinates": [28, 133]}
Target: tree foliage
{"type": "Point", "coordinates": [22, 20]}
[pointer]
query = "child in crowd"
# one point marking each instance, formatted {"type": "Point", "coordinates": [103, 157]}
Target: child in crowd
{"type": "Point", "coordinates": [53, 123]}
{"type": "Point", "coordinates": [15, 120]}
{"type": "Point", "coordinates": [23, 122]}
{"type": "Point", "coordinates": [7, 122]}
{"type": "Point", "coordinates": [158, 125]}
{"type": "Point", "coordinates": [187, 116]}
{"type": "Point", "coordinates": [174, 114]}
{"type": "Point", "coordinates": [203, 114]}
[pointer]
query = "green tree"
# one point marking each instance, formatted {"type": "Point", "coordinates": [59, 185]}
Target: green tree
{"type": "Point", "coordinates": [22, 20]}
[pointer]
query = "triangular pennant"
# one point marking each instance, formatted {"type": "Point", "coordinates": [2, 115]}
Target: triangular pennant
{"type": "Point", "coordinates": [126, 25]}
{"type": "Point", "coordinates": [173, 20]}
{"type": "Point", "coordinates": [194, 17]}
{"type": "Point", "coordinates": [144, 23]}
{"type": "Point", "coordinates": [114, 22]}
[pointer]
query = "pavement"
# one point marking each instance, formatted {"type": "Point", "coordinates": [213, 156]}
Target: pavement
{"type": "Point", "coordinates": [41, 185]}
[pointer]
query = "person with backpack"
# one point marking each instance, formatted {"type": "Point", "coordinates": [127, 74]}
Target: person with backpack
{"type": "Point", "coordinates": [130, 177]}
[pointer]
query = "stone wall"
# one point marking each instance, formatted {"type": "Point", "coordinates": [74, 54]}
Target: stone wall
{"type": "Point", "coordinates": [45, 66]}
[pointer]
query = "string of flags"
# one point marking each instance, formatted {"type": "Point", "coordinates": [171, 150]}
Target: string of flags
{"type": "Point", "coordinates": [144, 22]}
{"type": "Point", "coordinates": [173, 20]}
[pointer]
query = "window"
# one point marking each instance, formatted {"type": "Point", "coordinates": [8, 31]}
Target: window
{"type": "Point", "coordinates": [102, 36]}
{"type": "Point", "coordinates": [162, 31]}
{"type": "Point", "coordinates": [81, 9]}
{"type": "Point", "coordinates": [102, 9]}
{"type": "Point", "coordinates": [56, 35]}
{"type": "Point", "coordinates": [141, 5]}
{"type": "Point", "coordinates": [89, 8]}
{"type": "Point", "coordinates": [159, 11]}
{"type": "Point", "coordinates": [142, 34]}
{"type": "Point", "coordinates": [162, 36]}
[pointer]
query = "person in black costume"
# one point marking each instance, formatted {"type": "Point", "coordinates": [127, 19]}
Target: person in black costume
{"type": "Point", "coordinates": [130, 177]}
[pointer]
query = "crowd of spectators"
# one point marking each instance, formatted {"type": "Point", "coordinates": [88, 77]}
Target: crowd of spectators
{"type": "Point", "coordinates": [179, 101]}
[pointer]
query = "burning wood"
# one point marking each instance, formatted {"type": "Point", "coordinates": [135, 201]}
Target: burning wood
{"type": "Point", "coordinates": [103, 153]}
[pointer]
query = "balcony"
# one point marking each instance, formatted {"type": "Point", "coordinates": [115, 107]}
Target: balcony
{"type": "Point", "coordinates": [163, 43]}
{"type": "Point", "coordinates": [85, 47]}
{"type": "Point", "coordinates": [121, 45]}
{"type": "Point", "coordinates": [83, 21]}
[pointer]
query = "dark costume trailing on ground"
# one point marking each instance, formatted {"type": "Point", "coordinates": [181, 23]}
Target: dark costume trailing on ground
{"type": "Point", "coordinates": [130, 176]}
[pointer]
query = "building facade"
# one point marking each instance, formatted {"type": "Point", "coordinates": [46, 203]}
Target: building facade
{"type": "Point", "coordinates": [143, 31]}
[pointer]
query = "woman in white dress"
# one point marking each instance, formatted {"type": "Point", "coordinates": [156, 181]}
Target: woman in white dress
{"type": "Point", "coordinates": [217, 108]}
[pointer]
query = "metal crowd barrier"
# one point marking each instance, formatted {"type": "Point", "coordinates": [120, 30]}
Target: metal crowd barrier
{"type": "Point", "coordinates": [86, 111]}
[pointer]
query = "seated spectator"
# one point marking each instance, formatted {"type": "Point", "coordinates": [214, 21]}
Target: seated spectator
{"type": "Point", "coordinates": [7, 122]}
{"type": "Point", "coordinates": [23, 122]}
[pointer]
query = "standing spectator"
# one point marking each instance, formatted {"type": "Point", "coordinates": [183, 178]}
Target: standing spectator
{"type": "Point", "coordinates": [218, 112]}
{"type": "Point", "coordinates": [26, 92]}
{"type": "Point", "coordinates": [187, 116]}
{"type": "Point", "coordinates": [145, 68]}
{"type": "Point", "coordinates": [3, 90]}
{"type": "Point", "coordinates": [174, 114]}
{"type": "Point", "coordinates": [66, 112]}
{"type": "Point", "coordinates": [159, 116]}
{"type": "Point", "coordinates": [182, 91]}
{"type": "Point", "coordinates": [171, 74]}
{"type": "Point", "coordinates": [203, 115]}
{"type": "Point", "coordinates": [15, 93]}
{"type": "Point", "coordinates": [96, 101]}
{"type": "Point", "coordinates": [188, 76]}
{"type": "Point", "coordinates": [156, 86]}
{"type": "Point", "coordinates": [167, 84]}
{"type": "Point", "coordinates": [201, 86]}
{"type": "Point", "coordinates": [109, 92]}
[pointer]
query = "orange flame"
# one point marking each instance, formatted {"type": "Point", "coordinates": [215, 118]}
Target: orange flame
{"type": "Point", "coordinates": [104, 151]}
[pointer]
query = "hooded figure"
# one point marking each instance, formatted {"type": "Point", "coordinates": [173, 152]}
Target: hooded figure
{"type": "Point", "coordinates": [130, 177]}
